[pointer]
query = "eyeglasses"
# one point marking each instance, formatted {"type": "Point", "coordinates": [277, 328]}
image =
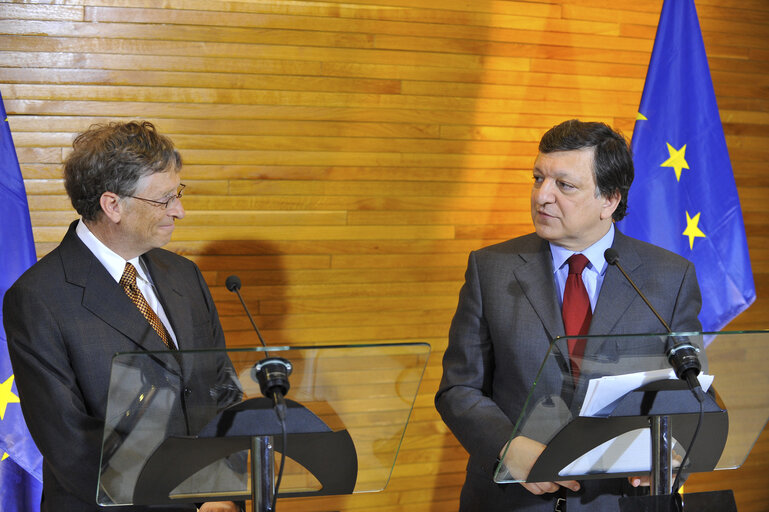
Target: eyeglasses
{"type": "Point", "coordinates": [164, 204]}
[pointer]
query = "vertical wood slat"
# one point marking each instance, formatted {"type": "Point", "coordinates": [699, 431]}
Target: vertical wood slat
{"type": "Point", "coordinates": [344, 157]}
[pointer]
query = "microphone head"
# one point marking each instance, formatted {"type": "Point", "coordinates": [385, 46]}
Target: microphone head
{"type": "Point", "coordinates": [232, 283]}
{"type": "Point", "coordinates": [611, 256]}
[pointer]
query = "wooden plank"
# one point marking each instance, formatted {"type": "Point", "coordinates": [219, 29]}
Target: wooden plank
{"type": "Point", "coordinates": [328, 9]}
{"type": "Point", "coordinates": [210, 80]}
{"type": "Point", "coordinates": [239, 50]}
{"type": "Point", "coordinates": [515, 117]}
{"type": "Point", "coordinates": [273, 127]}
{"type": "Point", "coordinates": [251, 64]}
{"type": "Point", "coordinates": [59, 13]}
{"type": "Point", "coordinates": [398, 101]}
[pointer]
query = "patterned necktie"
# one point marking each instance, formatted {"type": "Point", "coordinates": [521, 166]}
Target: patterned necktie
{"type": "Point", "coordinates": [128, 282]}
{"type": "Point", "coordinates": [576, 311]}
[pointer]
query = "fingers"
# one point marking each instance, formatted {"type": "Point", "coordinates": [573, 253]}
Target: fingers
{"type": "Point", "coordinates": [539, 488]}
{"type": "Point", "coordinates": [572, 485]}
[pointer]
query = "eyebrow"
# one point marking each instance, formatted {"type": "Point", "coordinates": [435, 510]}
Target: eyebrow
{"type": "Point", "coordinates": [556, 174]}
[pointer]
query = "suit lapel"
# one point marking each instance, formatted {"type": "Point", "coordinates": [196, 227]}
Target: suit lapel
{"type": "Point", "coordinates": [172, 298]}
{"type": "Point", "coordinates": [103, 296]}
{"type": "Point", "coordinates": [535, 277]}
{"type": "Point", "coordinates": [616, 293]}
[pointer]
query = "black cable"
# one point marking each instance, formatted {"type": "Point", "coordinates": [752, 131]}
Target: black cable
{"type": "Point", "coordinates": [676, 483]}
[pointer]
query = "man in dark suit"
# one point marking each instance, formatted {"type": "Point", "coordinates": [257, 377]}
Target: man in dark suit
{"type": "Point", "coordinates": [510, 308]}
{"type": "Point", "coordinates": [71, 312]}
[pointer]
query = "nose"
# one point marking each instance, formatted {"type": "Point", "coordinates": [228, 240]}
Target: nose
{"type": "Point", "coordinates": [176, 209]}
{"type": "Point", "coordinates": [543, 192]}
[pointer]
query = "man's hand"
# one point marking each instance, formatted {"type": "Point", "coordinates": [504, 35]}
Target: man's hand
{"type": "Point", "coordinates": [520, 458]}
{"type": "Point", "coordinates": [639, 481]}
{"type": "Point", "coordinates": [219, 506]}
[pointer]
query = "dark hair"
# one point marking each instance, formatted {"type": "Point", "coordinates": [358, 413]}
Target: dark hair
{"type": "Point", "coordinates": [613, 161]}
{"type": "Point", "coordinates": [112, 158]}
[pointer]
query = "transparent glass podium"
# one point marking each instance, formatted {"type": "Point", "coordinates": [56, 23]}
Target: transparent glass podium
{"type": "Point", "coordinates": [626, 414]}
{"type": "Point", "coordinates": [194, 426]}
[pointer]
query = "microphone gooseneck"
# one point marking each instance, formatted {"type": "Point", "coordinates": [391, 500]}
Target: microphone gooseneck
{"type": "Point", "coordinates": [681, 354]}
{"type": "Point", "coordinates": [271, 372]}
{"type": "Point", "coordinates": [233, 284]}
{"type": "Point", "coordinates": [612, 258]}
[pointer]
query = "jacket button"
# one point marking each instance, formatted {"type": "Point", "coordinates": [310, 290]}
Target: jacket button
{"type": "Point", "coordinates": [187, 392]}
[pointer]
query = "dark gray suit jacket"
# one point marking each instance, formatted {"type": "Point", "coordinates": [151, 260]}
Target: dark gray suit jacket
{"type": "Point", "coordinates": [65, 318]}
{"type": "Point", "coordinates": [507, 314]}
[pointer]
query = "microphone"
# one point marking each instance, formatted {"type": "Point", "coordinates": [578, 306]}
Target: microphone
{"type": "Point", "coordinates": [233, 284]}
{"type": "Point", "coordinates": [272, 372]}
{"type": "Point", "coordinates": [681, 354]}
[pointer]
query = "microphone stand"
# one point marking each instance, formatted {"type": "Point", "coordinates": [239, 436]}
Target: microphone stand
{"type": "Point", "coordinates": [272, 375]}
{"type": "Point", "coordinates": [683, 358]}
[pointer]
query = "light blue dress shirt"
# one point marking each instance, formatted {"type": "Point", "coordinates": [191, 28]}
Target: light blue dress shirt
{"type": "Point", "coordinates": [593, 274]}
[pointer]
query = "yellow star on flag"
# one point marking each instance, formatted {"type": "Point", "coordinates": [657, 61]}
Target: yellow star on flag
{"type": "Point", "coordinates": [7, 396]}
{"type": "Point", "coordinates": [5, 456]}
{"type": "Point", "coordinates": [640, 117]}
{"type": "Point", "coordinates": [676, 160]}
{"type": "Point", "coordinates": [692, 231]}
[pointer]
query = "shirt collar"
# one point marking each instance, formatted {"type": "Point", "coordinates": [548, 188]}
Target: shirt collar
{"type": "Point", "coordinates": [113, 262]}
{"type": "Point", "coordinates": [594, 253]}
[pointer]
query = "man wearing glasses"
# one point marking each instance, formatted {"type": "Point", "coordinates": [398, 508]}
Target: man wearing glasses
{"type": "Point", "coordinates": [107, 288]}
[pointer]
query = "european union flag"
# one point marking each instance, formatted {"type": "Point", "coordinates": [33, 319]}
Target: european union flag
{"type": "Point", "coordinates": [684, 197]}
{"type": "Point", "coordinates": [20, 468]}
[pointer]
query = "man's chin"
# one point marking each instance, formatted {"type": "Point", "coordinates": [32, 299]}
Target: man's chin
{"type": "Point", "coordinates": [545, 232]}
{"type": "Point", "coordinates": [163, 238]}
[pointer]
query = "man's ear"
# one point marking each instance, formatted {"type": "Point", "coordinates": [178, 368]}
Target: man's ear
{"type": "Point", "coordinates": [610, 204]}
{"type": "Point", "coordinates": [112, 207]}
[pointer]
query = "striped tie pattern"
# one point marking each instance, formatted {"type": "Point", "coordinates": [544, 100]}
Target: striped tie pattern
{"type": "Point", "coordinates": [128, 282]}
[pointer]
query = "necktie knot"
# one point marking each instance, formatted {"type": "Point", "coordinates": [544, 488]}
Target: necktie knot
{"type": "Point", "coordinates": [577, 263]}
{"type": "Point", "coordinates": [128, 279]}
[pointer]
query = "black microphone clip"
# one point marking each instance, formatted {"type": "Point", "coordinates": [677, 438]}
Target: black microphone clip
{"type": "Point", "coordinates": [272, 375]}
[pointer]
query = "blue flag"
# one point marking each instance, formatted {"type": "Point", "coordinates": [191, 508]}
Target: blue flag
{"type": "Point", "coordinates": [20, 468]}
{"type": "Point", "coordinates": [684, 197]}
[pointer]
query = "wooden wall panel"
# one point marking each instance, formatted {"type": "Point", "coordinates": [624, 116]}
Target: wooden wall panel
{"type": "Point", "coordinates": [344, 156]}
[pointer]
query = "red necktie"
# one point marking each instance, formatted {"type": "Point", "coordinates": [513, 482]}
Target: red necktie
{"type": "Point", "coordinates": [576, 311]}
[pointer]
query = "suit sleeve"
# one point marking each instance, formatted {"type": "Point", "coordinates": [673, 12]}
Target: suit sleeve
{"type": "Point", "coordinates": [464, 396]}
{"type": "Point", "coordinates": [68, 437]}
{"type": "Point", "coordinates": [227, 388]}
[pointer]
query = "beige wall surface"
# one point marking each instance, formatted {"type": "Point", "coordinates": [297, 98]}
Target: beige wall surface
{"type": "Point", "coordinates": [343, 157]}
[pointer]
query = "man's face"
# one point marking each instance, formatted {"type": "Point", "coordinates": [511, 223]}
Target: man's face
{"type": "Point", "coordinates": [144, 226]}
{"type": "Point", "coordinates": [564, 206]}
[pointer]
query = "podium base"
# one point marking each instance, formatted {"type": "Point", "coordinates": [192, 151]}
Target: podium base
{"type": "Point", "coordinates": [712, 501]}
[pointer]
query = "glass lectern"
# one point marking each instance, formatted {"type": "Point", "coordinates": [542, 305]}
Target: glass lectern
{"type": "Point", "coordinates": [627, 414]}
{"type": "Point", "coordinates": [194, 426]}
